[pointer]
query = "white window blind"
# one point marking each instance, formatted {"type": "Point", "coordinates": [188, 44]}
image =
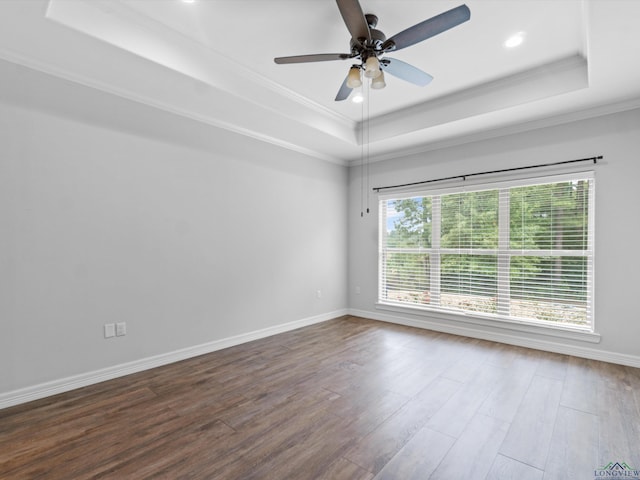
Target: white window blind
{"type": "Point", "coordinates": [520, 251]}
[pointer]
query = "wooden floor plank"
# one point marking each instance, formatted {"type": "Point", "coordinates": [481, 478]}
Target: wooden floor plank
{"type": "Point", "coordinates": [574, 446]}
{"type": "Point", "coordinates": [345, 399]}
{"type": "Point", "coordinates": [535, 419]}
{"type": "Point", "coordinates": [619, 438]}
{"type": "Point", "coordinates": [474, 452]}
{"type": "Point", "coordinates": [505, 468]}
{"type": "Point", "coordinates": [378, 447]}
{"type": "Point", "coordinates": [453, 418]}
{"type": "Point", "coordinates": [509, 390]}
{"type": "Point", "coordinates": [343, 469]}
{"type": "Point", "coordinates": [419, 458]}
{"type": "Point", "coordinates": [552, 365]}
{"type": "Point", "coordinates": [580, 386]}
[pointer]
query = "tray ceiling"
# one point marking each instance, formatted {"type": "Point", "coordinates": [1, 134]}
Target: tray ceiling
{"type": "Point", "coordinates": [212, 61]}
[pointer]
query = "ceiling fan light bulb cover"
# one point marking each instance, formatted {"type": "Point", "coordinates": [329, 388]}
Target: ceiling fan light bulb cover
{"type": "Point", "coordinates": [378, 82]}
{"type": "Point", "coordinates": [372, 68]}
{"type": "Point", "coordinates": [353, 79]}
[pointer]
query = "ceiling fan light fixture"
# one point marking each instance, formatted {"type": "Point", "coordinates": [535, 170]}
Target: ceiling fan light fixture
{"type": "Point", "coordinates": [357, 97]}
{"type": "Point", "coordinates": [372, 67]}
{"type": "Point", "coordinates": [353, 79]}
{"type": "Point", "coordinates": [378, 82]}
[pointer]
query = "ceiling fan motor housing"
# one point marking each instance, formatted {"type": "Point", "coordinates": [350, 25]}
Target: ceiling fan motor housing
{"type": "Point", "coordinates": [372, 20]}
{"type": "Point", "coordinates": [377, 39]}
{"type": "Point", "coordinates": [364, 48]}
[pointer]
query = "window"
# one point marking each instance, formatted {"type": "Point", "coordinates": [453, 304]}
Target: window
{"type": "Point", "coordinates": [517, 251]}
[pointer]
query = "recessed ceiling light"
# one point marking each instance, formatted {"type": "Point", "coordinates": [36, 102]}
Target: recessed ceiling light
{"type": "Point", "coordinates": [357, 97]}
{"type": "Point", "coordinates": [189, 1]}
{"type": "Point", "coordinates": [514, 40]}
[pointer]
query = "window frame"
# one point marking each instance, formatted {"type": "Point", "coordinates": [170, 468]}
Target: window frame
{"type": "Point", "coordinates": [502, 251]}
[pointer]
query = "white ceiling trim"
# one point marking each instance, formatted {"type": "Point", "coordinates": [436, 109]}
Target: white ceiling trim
{"type": "Point", "coordinates": [545, 81]}
{"type": "Point", "coordinates": [114, 23]}
{"type": "Point", "coordinates": [152, 102]}
{"type": "Point", "coordinates": [505, 130]}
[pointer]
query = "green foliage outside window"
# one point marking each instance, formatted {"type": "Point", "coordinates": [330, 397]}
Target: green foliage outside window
{"type": "Point", "coordinates": [546, 234]}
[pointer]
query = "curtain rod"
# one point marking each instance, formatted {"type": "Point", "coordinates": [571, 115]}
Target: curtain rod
{"type": "Point", "coordinates": [464, 177]}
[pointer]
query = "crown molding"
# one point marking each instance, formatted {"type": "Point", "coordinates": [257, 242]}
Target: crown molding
{"type": "Point", "coordinates": [564, 75]}
{"type": "Point", "coordinates": [506, 130]}
{"type": "Point", "coordinates": [126, 29]}
{"type": "Point", "coordinates": [73, 77]}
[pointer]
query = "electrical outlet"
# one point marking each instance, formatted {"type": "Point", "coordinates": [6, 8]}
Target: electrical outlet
{"type": "Point", "coordinates": [109, 330]}
{"type": "Point", "coordinates": [318, 293]}
{"type": "Point", "coordinates": [358, 290]}
{"type": "Point", "coordinates": [121, 329]}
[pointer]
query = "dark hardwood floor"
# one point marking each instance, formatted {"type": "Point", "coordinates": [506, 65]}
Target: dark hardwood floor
{"type": "Point", "coordinates": [346, 399]}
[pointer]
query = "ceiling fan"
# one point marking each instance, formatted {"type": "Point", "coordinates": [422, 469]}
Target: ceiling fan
{"type": "Point", "coordinates": [368, 45]}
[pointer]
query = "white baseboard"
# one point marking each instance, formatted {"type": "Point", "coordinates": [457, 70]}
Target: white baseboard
{"type": "Point", "coordinates": [521, 341]}
{"type": "Point", "coordinates": [62, 385]}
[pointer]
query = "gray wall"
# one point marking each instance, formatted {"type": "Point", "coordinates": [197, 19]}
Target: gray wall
{"type": "Point", "coordinates": [616, 137]}
{"type": "Point", "coordinates": [112, 211]}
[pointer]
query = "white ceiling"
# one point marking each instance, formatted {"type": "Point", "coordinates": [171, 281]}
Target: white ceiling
{"type": "Point", "coordinates": [212, 60]}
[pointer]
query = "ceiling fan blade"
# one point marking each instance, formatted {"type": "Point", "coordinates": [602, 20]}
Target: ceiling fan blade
{"type": "Point", "coordinates": [406, 72]}
{"type": "Point", "coordinates": [320, 57]}
{"type": "Point", "coordinates": [354, 18]}
{"type": "Point", "coordinates": [344, 91]}
{"type": "Point", "coordinates": [427, 29]}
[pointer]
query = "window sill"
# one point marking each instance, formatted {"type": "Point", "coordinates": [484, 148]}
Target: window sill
{"type": "Point", "coordinates": [572, 333]}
